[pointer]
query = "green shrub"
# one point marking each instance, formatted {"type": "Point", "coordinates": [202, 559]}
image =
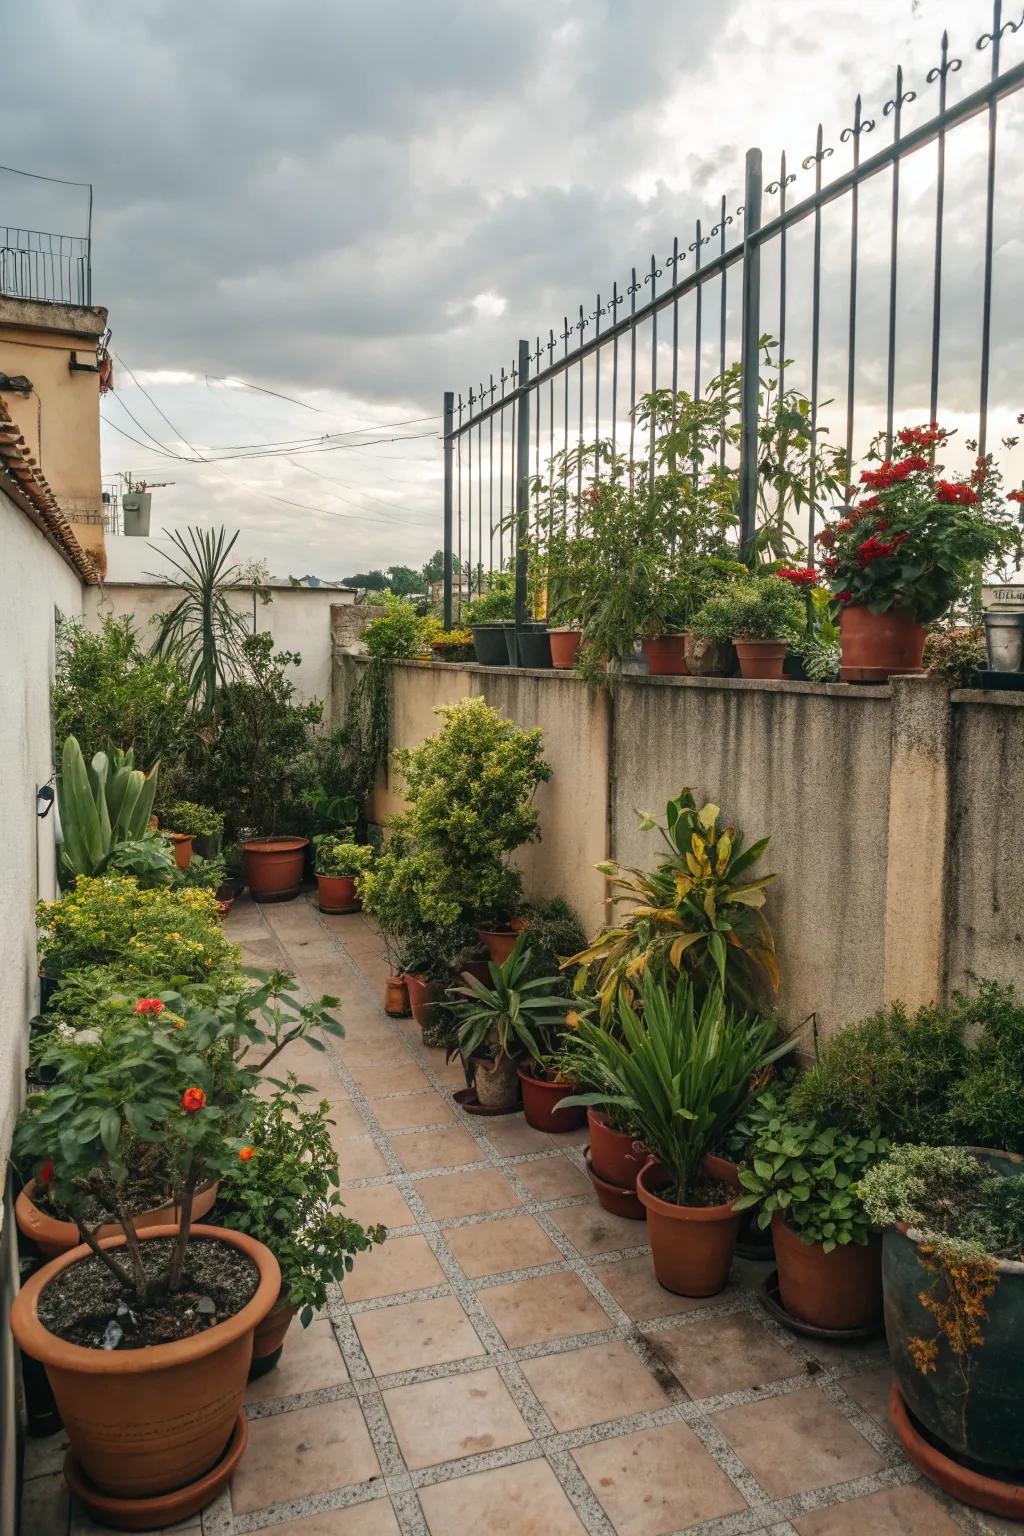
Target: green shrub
{"type": "Point", "coordinates": [806, 1173]}
{"type": "Point", "coordinates": [763, 609]}
{"type": "Point", "coordinates": [495, 606]}
{"type": "Point", "coordinates": [339, 858]}
{"type": "Point", "coordinates": [193, 819]}
{"type": "Point", "coordinates": [986, 1105]}
{"type": "Point", "coordinates": [554, 933]}
{"type": "Point", "coordinates": [965, 1209]}
{"type": "Point", "coordinates": [395, 635]}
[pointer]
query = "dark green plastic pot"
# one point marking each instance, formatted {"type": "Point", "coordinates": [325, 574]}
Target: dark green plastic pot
{"type": "Point", "coordinates": [490, 644]}
{"type": "Point", "coordinates": [528, 646]}
{"type": "Point", "coordinates": [973, 1406]}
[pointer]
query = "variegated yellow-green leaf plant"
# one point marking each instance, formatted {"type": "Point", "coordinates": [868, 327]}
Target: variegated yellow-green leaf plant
{"type": "Point", "coordinates": [698, 913]}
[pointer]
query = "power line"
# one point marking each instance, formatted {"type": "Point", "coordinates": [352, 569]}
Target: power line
{"type": "Point", "coordinates": [276, 453]}
{"type": "Point", "coordinates": [220, 379]}
{"type": "Point", "coordinates": [180, 435]}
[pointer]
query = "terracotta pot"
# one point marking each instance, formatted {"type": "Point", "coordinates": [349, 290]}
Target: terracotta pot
{"type": "Point", "coordinates": [53, 1237]}
{"type": "Point", "coordinates": [540, 1101]}
{"type": "Point", "coordinates": [621, 1202]}
{"type": "Point", "coordinates": [424, 995]}
{"type": "Point", "coordinates": [273, 867]}
{"type": "Point", "coordinates": [692, 1246]}
{"type": "Point", "coordinates": [877, 646]}
{"type": "Point", "coordinates": [268, 1339]}
{"type": "Point", "coordinates": [761, 658]}
{"type": "Point", "coordinates": [666, 656]}
{"type": "Point", "coordinates": [337, 893]}
{"type": "Point", "coordinates": [500, 943]}
{"type": "Point", "coordinates": [496, 1082]}
{"type": "Point", "coordinates": [182, 848]}
{"type": "Point", "coordinates": [479, 970]}
{"type": "Point", "coordinates": [145, 1421]}
{"type": "Point", "coordinates": [617, 1158]}
{"type": "Point", "coordinates": [708, 658]}
{"type": "Point", "coordinates": [565, 645]}
{"type": "Point", "coordinates": [841, 1289]}
{"type": "Point", "coordinates": [396, 997]}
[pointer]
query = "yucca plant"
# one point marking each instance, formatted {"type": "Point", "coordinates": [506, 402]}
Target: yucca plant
{"type": "Point", "coordinates": [202, 631]}
{"type": "Point", "coordinates": [698, 914]}
{"type": "Point", "coordinates": [513, 1017]}
{"type": "Point", "coordinates": [101, 807]}
{"type": "Point", "coordinates": [679, 1075]}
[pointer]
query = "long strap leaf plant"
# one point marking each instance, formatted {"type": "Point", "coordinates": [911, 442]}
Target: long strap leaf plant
{"type": "Point", "coordinates": [203, 632]}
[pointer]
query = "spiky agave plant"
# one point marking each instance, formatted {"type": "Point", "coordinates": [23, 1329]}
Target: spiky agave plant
{"type": "Point", "coordinates": [202, 632]}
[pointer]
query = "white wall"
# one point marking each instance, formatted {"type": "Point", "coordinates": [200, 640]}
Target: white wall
{"type": "Point", "coordinates": [299, 618]}
{"type": "Point", "coordinates": [34, 581]}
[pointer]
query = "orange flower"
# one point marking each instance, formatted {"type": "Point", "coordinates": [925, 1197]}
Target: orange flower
{"type": "Point", "coordinates": [192, 1100]}
{"type": "Point", "coordinates": [572, 1019]}
{"type": "Point", "coordinates": [244, 1154]}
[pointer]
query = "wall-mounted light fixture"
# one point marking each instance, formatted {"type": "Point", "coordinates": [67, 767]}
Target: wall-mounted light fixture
{"type": "Point", "coordinates": [44, 801]}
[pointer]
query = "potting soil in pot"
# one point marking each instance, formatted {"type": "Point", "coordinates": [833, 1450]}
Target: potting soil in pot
{"type": "Point", "coordinates": [141, 1194]}
{"type": "Point", "coordinates": [85, 1305]}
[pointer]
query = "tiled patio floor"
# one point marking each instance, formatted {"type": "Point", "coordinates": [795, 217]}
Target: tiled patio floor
{"type": "Point", "coordinates": [506, 1362]}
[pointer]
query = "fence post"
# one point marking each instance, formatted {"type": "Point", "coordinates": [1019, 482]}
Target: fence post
{"type": "Point", "coordinates": [522, 481]}
{"type": "Point", "coordinates": [750, 350]}
{"type": "Point", "coordinates": [449, 411]}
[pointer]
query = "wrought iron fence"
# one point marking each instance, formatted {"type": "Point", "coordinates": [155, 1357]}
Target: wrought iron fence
{"type": "Point", "coordinates": [35, 264]}
{"type": "Point", "coordinates": [582, 383]}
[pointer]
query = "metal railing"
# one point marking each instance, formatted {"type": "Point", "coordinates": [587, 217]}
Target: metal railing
{"type": "Point", "coordinates": [52, 268]}
{"type": "Point", "coordinates": [551, 397]}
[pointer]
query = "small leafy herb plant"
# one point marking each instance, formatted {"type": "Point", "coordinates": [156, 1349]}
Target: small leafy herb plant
{"type": "Point", "coordinates": [808, 1174]}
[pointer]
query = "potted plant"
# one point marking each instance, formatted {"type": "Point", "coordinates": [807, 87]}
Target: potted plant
{"type": "Point", "coordinates": [397, 634]}
{"type": "Point", "coordinates": [953, 1221]}
{"type": "Point", "coordinates": [616, 1155]}
{"type": "Point", "coordinates": [501, 1023]}
{"type": "Point", "coordinates": [489, 616]}
{"type": "Point", "coordinates": [801, 1177]}
{"type": "Point", "coordinates": [204, 826]}
{"type": "Point", "coordinates": [454, 645]}
{"type": "Point", "coordinates": [910, 548]}
{"type": "Point", "coordinates": [105, 814]}
{"type": "Point", "coordinates": [285, 1194]}
{"type": "Point", "coordinates": [683, 1076]}
{"type": "Point", "coordinates": [340, 864]}
{"type": "Point", "coordinates": [761, 617]}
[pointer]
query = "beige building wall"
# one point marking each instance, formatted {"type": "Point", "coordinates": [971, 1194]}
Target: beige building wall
{"type": "Point", "coordinates": [60, 418]}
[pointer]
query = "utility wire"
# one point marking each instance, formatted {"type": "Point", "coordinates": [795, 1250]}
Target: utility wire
{"type": "Point", "coordinates": [180, 435]}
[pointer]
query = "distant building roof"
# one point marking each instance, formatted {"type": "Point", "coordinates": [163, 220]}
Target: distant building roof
{"type": "Point", "coordinates": [24, 483]}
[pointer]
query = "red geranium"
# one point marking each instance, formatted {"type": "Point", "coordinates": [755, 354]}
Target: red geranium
{"type": "Point", "coordinates": [46, 1173]}
{"type": "Point", "coordinates": [826, 537]}
{"type": "Point", "coordinates": [1016, 496]}
{"type": "Point", "coordinates": [844, 597]}
{"type": "Point", "coordinates": [955, 492]}
{"type": "Point", "coordinates": [922, 437]}
{"type": "Point", "coordinates": [830, 565]}
{"type": "Point", "coordinates": [192, 1100]}
{"type": "Point", "coordinates": [152, 1006]}
{"type": "Point", "coordinates": [804, 576]}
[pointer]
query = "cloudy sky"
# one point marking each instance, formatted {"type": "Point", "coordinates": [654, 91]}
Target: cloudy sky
{"type": "Point", "coordinates": [358, 206]}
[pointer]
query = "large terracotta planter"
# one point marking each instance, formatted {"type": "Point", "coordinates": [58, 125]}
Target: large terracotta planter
{"type": "Point", "coordinates": [337, 893]}
{"type": "Point", "coordinates": [666, 656]}
{"type": "Point", "coordinates": [761, 658]}
{"type": "Point", "coordinates": [877, 646]}
{"type": "Point", "coordinates": [841, 1289]}
{"type": "Point", "coordinates": [53, 1237]}
{"type": "Point", "coordinates": [273, 867]}
{"type": "Point", "coordinates": [500, 943]}
{"type": "Point", "coordinates": [496, 1082]}
{"type": "Point", "coordinates": [424, 996]}
{"type": "Point", "coordinates": [143, 1422]}
{"type": "Point", "coordinates": [182, 844]}
{"type": "Point", "coordinates": [565, 647]}
{"type": "Point", "coordinates": [396, 997]}
{"type": "Point", "coordinates": [268, 1339]}
{"type": "Point", "coordinates": [540, 1104]}
{"type": "Point", "coordinates": [691, 1246]}
{"type": "Point", "coordinates": [617, 1157]}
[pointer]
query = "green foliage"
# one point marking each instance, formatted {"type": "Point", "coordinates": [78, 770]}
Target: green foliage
{"type": "Point", "coordinates": [682, 1076]}
{"type": "Point", "coordinates": [807, 1174]}
{"type": "Point", "coordinates": [986, 1105]}
{"type": "Point", "coordinates": [956, 655]}
{"type": "Point", "coordinates": [203, 632]}
{"type": "Point", "coordinates": [162, 933]}
{"type": "Point", "coordinates": [697, 914]}
{"type": "Point", "coordinates": [511, 1017]}
{"type": "Point", "coordinates": [108, 692]}
{"type": "Point", "coordinates": [394, 635]}
{"type": "Point", "coordinates": [193, 819]}
{"type": "Point", "coordinates": [765, 609]}
{"type": "Point", "coordinates": [951, 1197]}
{"type": "Point", "coordinates": [554, 934]}
{"type": "Point", "coordinates": [107, 804]}
{"type": "Point", "coordinates": [148, 859]}
{"type": "Point", "coordinates": [895, 1070]}
{"type": "Point", "coordinates": [286, 1195]}
{"type": "Point", "coordinates": [206, 874]}
{"type": "Point", "coordinates": [335, 856]}
{"type": "Point", "coordinates": [495, 606]}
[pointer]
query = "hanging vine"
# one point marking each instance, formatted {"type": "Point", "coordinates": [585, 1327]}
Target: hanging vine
{"type": "Point", "coordinates": [364, 730]}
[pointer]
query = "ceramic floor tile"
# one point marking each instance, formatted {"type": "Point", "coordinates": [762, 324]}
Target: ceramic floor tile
{"type": "Point", "coordinates": [379, 1203]}
{"type": "Point", "coordinates": [358, 1158]}
{"type": "Point", "coordinates": [412, 1109]}
{"type": "Point", "coordinates": [637, 1481]}
{"type": "Point", "coordinates": [523, 1500]}
{"type": "Point", "coordinates": [797, 1442]}
{"type": "Point", "coordinates": [591, 1229]}
{"type": "Point", "coordinates": [420, 1150]}
{"type": "Point", "coordinates": [400, 1264]}
{"type": "Point", "coordinates": [547, 1307]}
{"type": "Point", "coordinates": [553, 1178]}
{"type": "Point", "coordinates": [633, 1284]}
{"type": "Point", "coordinates": [415, 1334]}
{"type": "Point", "coordinates": [895, 1512]}
{"type": "Point", "coordinates": [391, 1077]}
{"type": "Point", "coordinates": [870, 1390]}
{"type": "Point", "coordinates": [44, 1505]}
{"type": "Point", "coordinates": [590, 1386]}
{"type": "Point", "coordinates": [723, 1354]}
{"type": "Point", "coordinates": [311, 1360]}
{"type": "Point", "coordinates": [308, 1451]}
{"type": "Point", "coordinates": [452, 1195]}
{"type": "Point", "coordinates": [510, 1135]}
{"type": "Point", "coordinates": [375, 1518]}
{"type": "Point", "coordinates": [456, 1416]}
{"type": "Point", "coordinates": [494, 1247]}
{"type": "Point", "coordinates": [347, 1122]}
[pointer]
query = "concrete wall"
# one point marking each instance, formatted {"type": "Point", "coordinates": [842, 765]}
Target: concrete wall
{"type": "Point", "coordinates": [35, 582]}
{"type": "Point", "coordinates": [896, 814]}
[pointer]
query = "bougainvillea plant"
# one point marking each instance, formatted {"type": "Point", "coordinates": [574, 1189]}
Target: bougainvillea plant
{"type": "Point", "coordinates": [915, 537]}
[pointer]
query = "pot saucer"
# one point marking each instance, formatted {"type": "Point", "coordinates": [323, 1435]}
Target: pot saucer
{"type": "Point", "coordinates": [150, 1513]}
{"type": "Point", "coordinates": [978, 1489]}
{"type": "Point", "coordinates": [621, 1202]}
{"type": "Point", "coordinates": [771, 1300]}
{"type": "Point", "coordinates": [466, 1099]}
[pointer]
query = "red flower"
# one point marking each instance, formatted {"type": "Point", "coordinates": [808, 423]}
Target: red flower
{"type": "Point", "coordinates": [922, 437]}
{"type": "Point", "coordinates": [844, 525]}
{"type": "Point", "coordinates": [826, 537]}
{"type": "Point", "coordinates": [831, 565]}
{"type": "Point", "coordinates": [868, 505]}
{"type": "Point", "coordinates": [844, 597]}
{"type": "Point", "coordinates": [244, 1154]}
{"type": "Point", "coordinates": [46, 1173]}
{"type": "Point", "coordinates": [152, 1006]}
{"type": "Point", "coordinates": [1016, 496]}
{"type": "Point", "coordinates": [192, 1100]}
{"type": "Point", "coordinates": [955, 492]}
{"type": "Point", "coordinates": [805, 576]}
{"type": "Point", "coordinates": [909, 466]}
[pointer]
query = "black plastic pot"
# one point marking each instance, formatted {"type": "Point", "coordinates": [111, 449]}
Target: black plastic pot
{"type": "Point", "coordinates": [534, 646]}
{"type": "Point", "coordinates": [490, 644]}
{"type": "Point", "coordinates": [209, 846]}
